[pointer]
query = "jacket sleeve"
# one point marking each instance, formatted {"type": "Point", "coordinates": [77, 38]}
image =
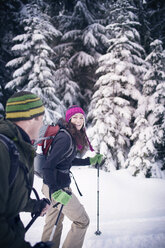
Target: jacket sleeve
{"type": "Point", "coordinates": [81, 161]}
{"type": "Point", "coordinates": [32, 204]}
{"type": "Point", "coordinates": [8, 236]}
{"type": "Point", "coordinates": [61, 145]}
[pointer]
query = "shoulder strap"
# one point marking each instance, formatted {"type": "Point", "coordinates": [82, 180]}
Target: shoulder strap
{"type": "Point", "coordinates": [15, 163]}
{"type": "Point", "coordinates": [70, 149]}
{"type": "Point", "coordinates": [47, 134]}
{"type": "Point", "coordinates": [14, 157]}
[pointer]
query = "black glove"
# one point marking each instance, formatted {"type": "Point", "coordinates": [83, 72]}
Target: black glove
{"type": "Point", "coordinates": [40, 205]}
{"type": "Point", "coordinates": [43, 245]}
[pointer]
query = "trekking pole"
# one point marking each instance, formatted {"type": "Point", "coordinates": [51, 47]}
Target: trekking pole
{"type": "Point", "coordinates": [32, 221]}
{"type": "Point", "coordinates": [36, 215]}
{"type": "Point", "coordinates": [55, 225]}
{"type": "Point", "coordinates": [98, 232]}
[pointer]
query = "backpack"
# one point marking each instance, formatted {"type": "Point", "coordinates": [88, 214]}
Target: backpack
{"type": "Point", "coordinates": [14, 157]}
{"type": "Point", "coordinates": [44, 145]}
{"type": "Point", "coordinates": [15, 163]}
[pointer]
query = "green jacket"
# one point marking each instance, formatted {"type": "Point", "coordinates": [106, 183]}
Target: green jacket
{"type": "Point", "coordinates": [14, 199]}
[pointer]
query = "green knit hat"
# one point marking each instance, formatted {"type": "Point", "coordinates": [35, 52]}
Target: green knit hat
{"type": "Point", "coordinates": [23, 105]}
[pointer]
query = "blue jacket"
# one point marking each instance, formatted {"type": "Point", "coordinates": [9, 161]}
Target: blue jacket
{"type": "Point", "coordinates": [56, 174]}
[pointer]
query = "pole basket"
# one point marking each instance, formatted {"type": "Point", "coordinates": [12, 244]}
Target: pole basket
{"type": "Point", "coordinates": [98, 232]}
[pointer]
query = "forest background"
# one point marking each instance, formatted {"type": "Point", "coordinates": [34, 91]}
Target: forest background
{"type": "Point", "coordinates": [107, 56]}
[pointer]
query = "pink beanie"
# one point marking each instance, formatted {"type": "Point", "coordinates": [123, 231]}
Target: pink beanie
{"type": "Point", "coordinates": [72, 111]}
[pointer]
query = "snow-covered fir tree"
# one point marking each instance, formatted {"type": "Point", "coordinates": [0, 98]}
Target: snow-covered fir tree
{"type": "Point", "coordinates": [118, 88]}
{"type": "Point", "coordinates": [157, 60]}
{"type": "Point", "coordinates": [9, 27]}
{"type": "Point", "coordinates": [144, 158]}
{"type": "Point", "coordinates": [141, 157]}
{"type": "Point", "coordinates": [145, 30]}
{"type": "Point", "coordinates": [156, 14]}
{"type": "Point", "coordinates": [68, 90]}
{"type": "Point", "coordinates": [34, 68]}
{"type": "Point", "coordinates": [83, 40]}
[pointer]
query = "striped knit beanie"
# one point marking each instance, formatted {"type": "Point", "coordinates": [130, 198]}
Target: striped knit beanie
{"type": "Point", "coordinates": [23, 105]}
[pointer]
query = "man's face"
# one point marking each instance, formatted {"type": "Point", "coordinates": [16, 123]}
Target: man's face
{"type": "Point", "coordinates": [35, 126]}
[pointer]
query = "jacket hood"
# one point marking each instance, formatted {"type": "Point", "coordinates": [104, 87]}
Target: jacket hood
{"type": "Point", "coordinates": [8, 128]}
{"type": "Point", "coordinates": [11, 130]}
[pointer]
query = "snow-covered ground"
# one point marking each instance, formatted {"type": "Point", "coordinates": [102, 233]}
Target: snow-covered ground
{"type": "Point", "coordinates": [131, 214]}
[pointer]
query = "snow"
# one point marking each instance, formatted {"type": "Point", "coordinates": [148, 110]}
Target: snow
{"type": "Point", "coordinates": [131, 214]}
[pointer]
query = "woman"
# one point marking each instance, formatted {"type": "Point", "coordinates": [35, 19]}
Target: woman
{"type": "Point", "coordinates": [57, 180]}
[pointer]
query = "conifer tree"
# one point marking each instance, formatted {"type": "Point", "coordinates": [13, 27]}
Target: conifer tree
{"type": "Point", "coordinates": [156, 17]}
{"type": "Point", "coordinates": [145, 29]}
{"type": "Point", "coordinates": [118, 87]}
{"type": "Point", "coordinates": [9, 27]}
{"type": "Point", "coordinates": [33, 65]}
{"type": "Point", "coordinates": [83, 40]}
{"type": "Point", "coordinates": [145, 157]}
{"type": "Point", "coordinates": [157, 60]}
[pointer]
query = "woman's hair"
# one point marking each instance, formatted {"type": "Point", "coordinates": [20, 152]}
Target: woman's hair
{"type": "Point", "coordinates": [78, 135]}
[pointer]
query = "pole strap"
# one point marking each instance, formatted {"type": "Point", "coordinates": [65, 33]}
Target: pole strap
{"type": "Point", "coordinates": [76, 184]}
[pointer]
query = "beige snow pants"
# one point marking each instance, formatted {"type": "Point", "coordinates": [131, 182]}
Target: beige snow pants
{"type": "Point", "coordinates": [76, 213]}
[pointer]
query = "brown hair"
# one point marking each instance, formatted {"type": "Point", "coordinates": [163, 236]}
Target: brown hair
{"type": "Point", "coordinates": [78, 135]}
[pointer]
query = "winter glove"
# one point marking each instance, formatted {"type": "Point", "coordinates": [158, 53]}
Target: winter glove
{"type": "Point", "coordinates": [44, 245]}
{"type": "Point", "coordinates": [61, 196]}
{"type": "Point", "coordinates": [97, 159]}
{"type": "Point", "coordinates": [41, 204]}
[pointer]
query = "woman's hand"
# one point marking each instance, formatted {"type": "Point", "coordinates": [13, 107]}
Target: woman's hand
{"type": "Point", "coordinates": [97, 159]}
{"type": "Point", "coordinates": [61, 196]}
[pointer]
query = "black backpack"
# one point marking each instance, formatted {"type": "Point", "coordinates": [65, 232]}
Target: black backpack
{"type": "Point", "coordinates": [14, 157]}
{"type": "Point", "coordinates": [15, 163]}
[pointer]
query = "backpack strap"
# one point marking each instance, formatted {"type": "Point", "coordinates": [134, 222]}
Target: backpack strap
{"type": "Point", "coordinates": [15, 163]}
{"type": "Point", "coordinates": [76, 183]}
{"type": "Point", "coordinates": [14, 157]}
{"type": "Point", "coordinates": [70, 149]}
{"type": "Point", "coordinates": [66, 155]}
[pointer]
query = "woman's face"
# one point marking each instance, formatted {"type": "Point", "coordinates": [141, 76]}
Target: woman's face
{"type": "Point", "coordinates": [78, 120]}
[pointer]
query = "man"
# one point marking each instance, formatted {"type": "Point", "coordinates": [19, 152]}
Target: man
{"type": "Point", "coordinates": [24, 117]}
